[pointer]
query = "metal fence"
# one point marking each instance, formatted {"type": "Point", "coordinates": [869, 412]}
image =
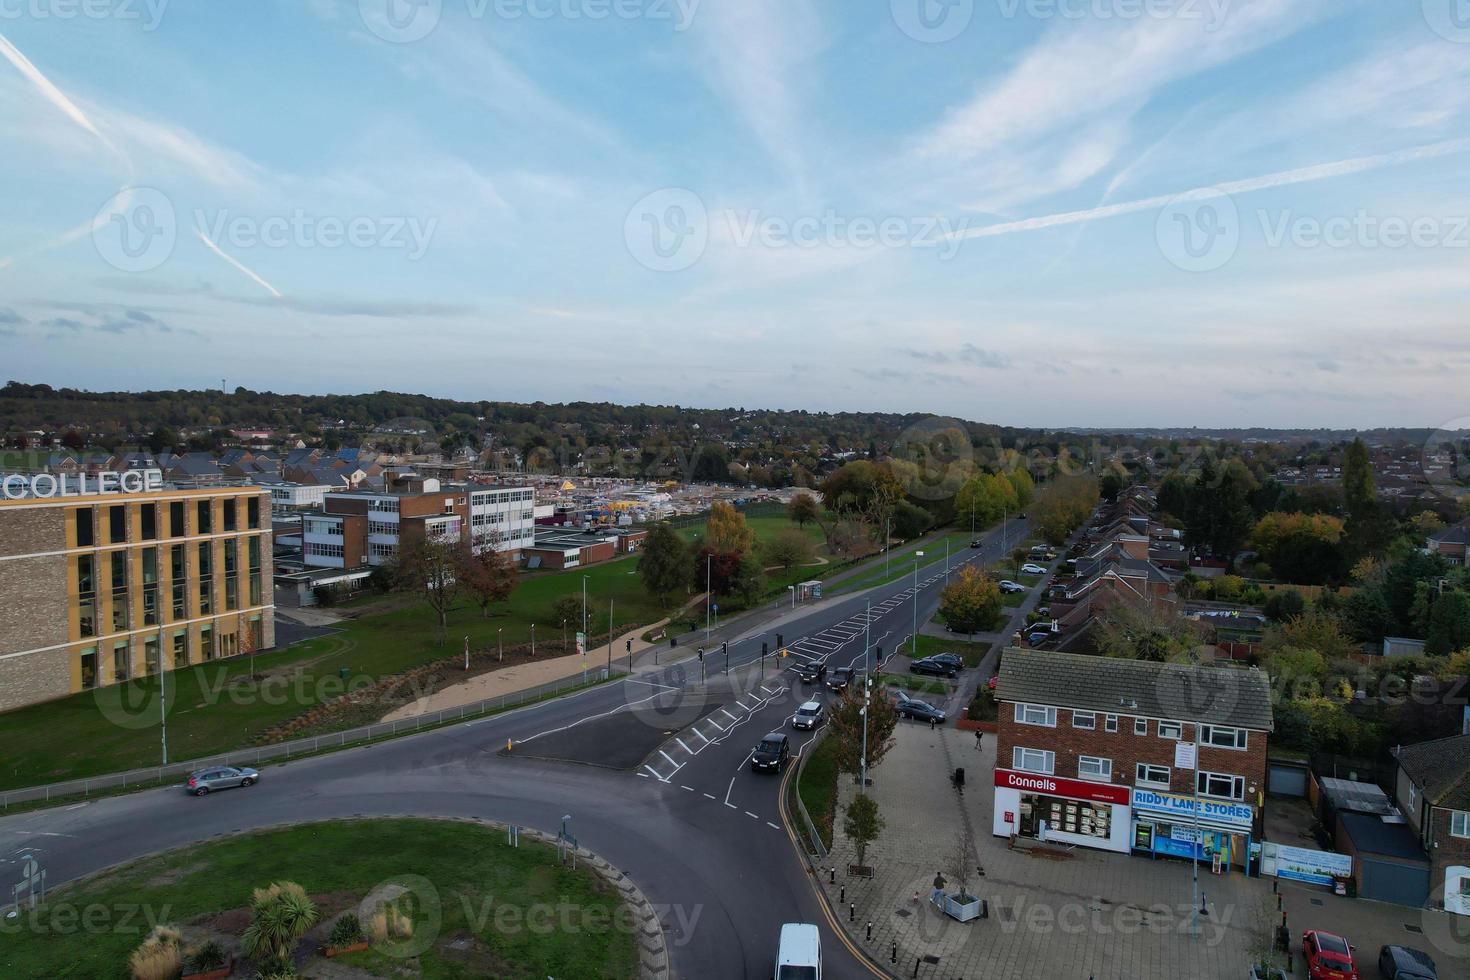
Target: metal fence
{"type": "Point", "coordinates": [815, 846]}
{"type": "Point", "coordinates": [284, 751]}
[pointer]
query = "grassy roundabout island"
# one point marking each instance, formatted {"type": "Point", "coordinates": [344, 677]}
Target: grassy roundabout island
{"type": "Point", "coordinates": [434, 899]}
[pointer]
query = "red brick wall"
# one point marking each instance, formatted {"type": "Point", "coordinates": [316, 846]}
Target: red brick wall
{"type": "Point", "coordinates": [1451, 851]}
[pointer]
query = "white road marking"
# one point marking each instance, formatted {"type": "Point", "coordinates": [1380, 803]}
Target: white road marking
{"type": "Point", "coordinates": [700, 734]}
{"type": "Point", "coordinates": [689, 788]}
{"type": "Point", "coordinates": [751, 815]}
{"type": "Point", "coordinates": [728, 715]}
{"type": "Point", "coordinates": [655, 773]}
{"type": "Point", "coordinates": [682, 745]}
{"type": "Point", "coordinates": [772, 826]}
{"type": "Point", "coordinates": [710, 797]}
{"type": "Point", "coordinates": [669, 757]}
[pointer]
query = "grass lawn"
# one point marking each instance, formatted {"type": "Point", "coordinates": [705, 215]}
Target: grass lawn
{"type": "Point", "coordinates": [484, 890]}
{"type": "Point", "coordinates": [901, 564]}
{"type": "Point", "coordinates": [817, 787]}
{"type": "Point", "coordinates": [77, 736]}
{"type": "Point", "coordinates": [911, 682]}
{"type": "Point", "coordinates": [972, 652]}
{"type": "Point", "coordinates": [765, 529]}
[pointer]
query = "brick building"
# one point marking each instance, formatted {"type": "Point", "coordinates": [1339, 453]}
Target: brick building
{"type": "Point", "coordinates": [1452, 543]}
{"type": "Point", "coordinates": [1102, 753]}
{"type": "Point", "coordinates": [1433, 791]}
{"type": "Point", "coordinates": [121, 577]}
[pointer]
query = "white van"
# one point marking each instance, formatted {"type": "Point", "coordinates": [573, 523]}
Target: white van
{"type": "Point", "coordinates": [800, 957]}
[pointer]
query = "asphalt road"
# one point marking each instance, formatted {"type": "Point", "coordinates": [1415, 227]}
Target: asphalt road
{"type": "Point", "coordinates": [696, 829]}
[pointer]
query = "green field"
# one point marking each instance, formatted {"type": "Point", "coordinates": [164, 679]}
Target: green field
{"type": "Point", "coordinates": [911, 682]}
{"type": "Point", "coordinates": [486, 893]}
{"type": "Point", "coordinates": [972, 652]}
{"type": "Point", "coordinates": [80, 735]}
{"type": "Point", "coordinates": [817, 787]}
{"type": "Point", "coordinates": [901, 562]}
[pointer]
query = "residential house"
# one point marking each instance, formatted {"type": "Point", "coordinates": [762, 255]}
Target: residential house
{"type": "Point", "coordinates": [1433, 791]}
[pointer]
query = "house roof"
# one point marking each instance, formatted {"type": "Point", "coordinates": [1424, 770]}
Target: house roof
{"type": "Point", "coordinates": [1458, 534]}
{"type": "Point", "coordinates": [1373, 834]}
{"type": "Point", "coordinates": [1441, 770]}
{"type": "Point", "coordinates": [1235, 696]}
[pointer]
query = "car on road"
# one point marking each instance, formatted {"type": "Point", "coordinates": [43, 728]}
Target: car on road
{"type": "Point", "coordinates": [800, 954]}
{"type": "Point", "coordinates": [808, 715]}
{"type": "Point", "coordinates": [206, 781]}
{"type": "Point", "coordinates": [918, 710]}
{"type": "Point", "coordinates": [772, 753]}
{"type": "Point", "coordinates": [976, 543]}
{"type": "Point", "coordinates": [932, 667]}
{"type": "Point", "coordinates": [840, 678]}
{"type": "Point", "coordinates": [1328, 956]}
{"type": "Point", "coordinates": [1031, 568]}
{"type": "Point", "coordinates": [811, 673]}
{"type": "Point", "coordinates": [1405, 963]}
{"type": "Point", "coordinates": [1010, 588]}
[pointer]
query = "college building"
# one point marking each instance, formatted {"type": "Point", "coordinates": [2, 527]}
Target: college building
{"type": "Point", "coordinates": [110, 579]}
{"type": "Point", "coordinates": [1167, 760]}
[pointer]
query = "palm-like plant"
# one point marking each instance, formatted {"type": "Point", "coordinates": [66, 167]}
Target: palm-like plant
{"type": "Point", "coordinates": [280, 917]}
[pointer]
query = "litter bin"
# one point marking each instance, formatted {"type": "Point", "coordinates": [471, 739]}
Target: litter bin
{"type": "Point", "coordinates": [959, 778]}
{"type": "Point", "coordinates": [344, 672]}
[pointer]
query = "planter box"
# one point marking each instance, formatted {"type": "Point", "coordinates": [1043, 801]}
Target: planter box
{"type": "Point", "coordinates": [219, 974]}
{"type": "Point", "coordinates": [962, 910]}
{"type": "Point", "coordinates": [1272, 973]}
{"type": "Point", "coordinates": [332, 951]}
{"type": "Point", "coordinates": [859, 871]}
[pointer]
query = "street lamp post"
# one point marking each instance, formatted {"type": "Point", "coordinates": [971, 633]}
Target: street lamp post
{"type": "Point", "coordinates": [867, 646]}
{"type": "Point", "coordinates": [533, 641]}
{"type": "Point", "coordinates": [708, 597]}
{"type": "Point", "coordinates": [917, 556]}
{"type": "Point", "coordinates": [792, 590]}
{"type": "Point", "coordinates": [500, 643]}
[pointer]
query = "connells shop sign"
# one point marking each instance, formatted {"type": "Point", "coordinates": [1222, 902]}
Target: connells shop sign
{"type": "Point", "coordinates": [49, 485]}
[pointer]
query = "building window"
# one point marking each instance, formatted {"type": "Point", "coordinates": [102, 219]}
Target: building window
{"type": "Point", "coordinates": [1034, 760]}
{"type": "Point", "coordinates": [1140, 726]}
{"type": "Point", "coordinates": [255, 588]}
{"type": "Point", "coordinates": [120, 662]}
{"type": "Point", "coordinates": [150, 655]}
{"type": "Point", "coordinates": [1035, 714]}
{"type": "Point", "coordinates": [1222, 738]}
{"type": "Point", "coordinates": [232, 516]}
{"type": "Point", "coordinates": [206, 641]}
{"type": "Point", "coordinates": [206, 559]}
{"type": "Point", "coordinates": [1460, 823]}
{"type": "Point", "coordinates": [85, 583]}
{"type": "Point", "coordinates": [203, 523]}
{"type": "Point", "coordinates": [148, 515]}
{"type": "Point", "coordinates": [252, 513]}
{"type": "Point", "coordinates": [1147, 775]}
{"type": "Point", "coordinates": [176, 527]}
{"type": "Point", "coordinates": [86, 616]}
{"type": "Point", "coordinates": [1171, 730]}
{"type": "Point", "coordinates": [117, 524]}
{"type": "Point", "coordinates": [1110, 723]}
{"type": "Point", "coordinates": [1220, 785]}
{"type": "Point", "coordinates": [232, 592]}
{"type": "Point", "coordinates": [1092, 767]}
{"type": "Point", "coordinates": [176, 563]}
{"type": "Point", "coordinates": [181, 649]}
{"type": "Point", "coordinates": [1084, 719]}
{"type": "Point", "coordinates": [85, 537]}
{"type": "Point", "coordinates": [89, 668]}
{"type": "Point", "coordinates": [257, 633]}
{"type": "Point", "coordinates": [180, 601]}
{"type": "Point", "coordinates": [232, 557]}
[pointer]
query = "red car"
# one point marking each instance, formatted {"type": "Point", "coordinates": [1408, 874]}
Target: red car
{"type": "Point", "coordinates": [1329, 957]}
{"type": "Point", "coordinates": [992, 682]}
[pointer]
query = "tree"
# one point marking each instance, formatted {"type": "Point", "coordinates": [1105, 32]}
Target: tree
{"type": "Point", "coordinates": [488, 577]}
{"type": "Point", "coordinates": [1449, 624]}
{"type": "Point", "coordinates": [971, 602]}
{"type": "Point", "coordinates": [426, 568]}
{"type": "Point", "coordinates": [804, 510]}
{"type": "Point", "coordinates": [663, 564]}
{"type": "Point", "coordinates": [1316, 629]}
{"type": "Point", "coordinates": [789, 548]}
{"type": "Point", "coordinates": [911, 520]}
{"type": "Point", "coordinates": [162, 438]}
{"type": "Point", "coordinates": [279, 917]}
{"type": "Point", "coordinates": [1131, 629]}
{"type": "Point", "coordinates": [1021, 482]}
{"type": "Point", "coordinates": [1302, 548]}
{"type": "Point", "coordinates": [566, 611]}
{"type": "Point", "coordinates": [1358, 490]}
{"type": "Point", "coordinates": [726, 530]}
{"type": "Point", "coordinates": [845, 727]}
{"type": "Point", "coordinates": [1019, 557]}
{"type": "Point", "coordinates": [1367, 615]}
{"type": "Point", "coordinates": [1111, 486]}
{"type": "Point", "coordinates": [862, 824]}
{"type": "Point", "coordinates": [1285, 604]}
{"type": "Point", "coordinates": [1062, 505]}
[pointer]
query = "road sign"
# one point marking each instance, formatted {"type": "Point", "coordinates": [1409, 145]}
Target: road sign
{"type": "Point", "coordinates": [714, 607]}
{"type": "Point", "coordinates": [582, 644]}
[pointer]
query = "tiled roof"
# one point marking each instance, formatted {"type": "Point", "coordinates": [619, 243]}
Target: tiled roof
{"type": "Point", "coordinates": [1441, 769]}
{"type": "Point", "coordinates": [1459, 534]}
{"type": "Point", "coordinates": [1235, 696]}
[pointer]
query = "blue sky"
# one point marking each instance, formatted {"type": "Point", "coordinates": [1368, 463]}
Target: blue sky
{"type": "Point", "coordinates": [1034, 212]}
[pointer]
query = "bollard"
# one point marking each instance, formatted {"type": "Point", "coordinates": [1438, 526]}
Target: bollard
{"type": "Point", "coordinates": [870, 932]}
{"type": "Point", "coordinates": [842, 895]}
{"type": "Point", "coordinates": [893, 952]}
{"type": "Point", "coordinates": [832, 875]}
{"type": "Point", "coordinates": [852, 911]}
{"type": "Point", "coordinates": [508, 745]}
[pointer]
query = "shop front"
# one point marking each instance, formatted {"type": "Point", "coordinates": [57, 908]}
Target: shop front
{"type": "Point", "coordinates": [1216, 832]}
{"type": "Point", "coordinates": [1068, 811]}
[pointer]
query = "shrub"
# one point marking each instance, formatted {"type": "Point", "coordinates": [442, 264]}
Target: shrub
{"type": "Point", "coordinates": [158, 957]}
{"type": "Point", "coordinates": [207, 957]}
{"type": "Point", "coordinates": [346, 932]}
{"type": "Point", "coordinates": [390, 922]}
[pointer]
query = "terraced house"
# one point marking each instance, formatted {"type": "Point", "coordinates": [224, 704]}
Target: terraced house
{"type": "Point", "coordinates": [109, 577]}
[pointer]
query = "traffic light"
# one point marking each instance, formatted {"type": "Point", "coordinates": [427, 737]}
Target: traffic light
{"type": "Point", "coordinates": [765, 649]}
{"type": "Point", "coordinates": [725, 647]}
{"type": "Point", "coordinates": [701, 654]}
{"type": "Point", "coordinates": [630, 646]}
{"type": "Point", "coordinates": [878, 652]}
{"type": "Point", "coordinates": [780, 642]}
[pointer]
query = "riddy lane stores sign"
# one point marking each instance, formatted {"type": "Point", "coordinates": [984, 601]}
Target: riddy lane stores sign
{"type": "Point", "coordinates": [1077, 789]}
{"type": "Point", "coordinates": [1229, 814]}
{"type": "Point", "coordinates": [46, 486]}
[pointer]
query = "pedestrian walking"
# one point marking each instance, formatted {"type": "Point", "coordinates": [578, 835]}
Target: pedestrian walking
{"type": "Point", "coordinates": [979, 739]}
{"type": "Point", "coordinates": [937, 896]}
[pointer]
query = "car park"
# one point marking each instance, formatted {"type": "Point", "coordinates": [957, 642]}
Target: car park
{"type": "Point", "coordinates": [1405, 963]}
{"type": "Point", "coordinates": [206, 781]}
{"type": "Point", "coordinates": [1031, 568]}
{"type": "Point", "coordinates": [799, 956]}
{"type": "Point", "coordinates": [811, 673]}
{"type": "Point", "coordinates": [808, 715]}
{"type": "Point", "coordinates": [1010, 588]}
{"type": "Point", "coordinates": [933, 668]}
{"type": "Point", "coordinates": [1328, 956]}
{"type": "Point", "coordinates": [918, 710]}
{"type": "Point", "coordinates": [840, 678]}
{"type": "Point", "coordinates": [772, 753]}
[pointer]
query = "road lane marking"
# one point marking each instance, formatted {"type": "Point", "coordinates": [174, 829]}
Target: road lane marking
{"type": "Point", "coordinates": [682, 745]}
{"type": "Point", "coordinates": [710, 797]}
{"type": "Point", "coordinates": [772, 826]}
{"type": "Point", "coordinates": [669, 757]}
{"type": "Point", "coordinates": [751, 815]}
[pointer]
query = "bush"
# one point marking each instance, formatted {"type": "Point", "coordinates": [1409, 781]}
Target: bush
{"type": "Point", "coordinates": [983, 706]}
{"type": "Point", "coordinates": [158, 958]}
{"type": "Point", "coordinates": [207, 957]}
{"type": "Point", "coordinates": [390, 922]}
{"type": "Point", "coordinates": [346, 932]}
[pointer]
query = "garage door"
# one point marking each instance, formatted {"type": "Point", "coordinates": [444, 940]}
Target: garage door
{"type": "Point", "coordinates": [1402, 884]}
{"type": "Point", "coordinates": [1286, 780]}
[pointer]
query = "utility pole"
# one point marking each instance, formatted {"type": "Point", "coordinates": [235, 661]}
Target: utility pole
{"type": "Point", "coordinates": [610, 641]}
{"type": "Point", "coordinates": [708, 597]}
{"type": "Point", "coordinates": [915, 648]}
{"type": "Point", "coordinates": [162, 704]}
{"type": "Point", "coordinates": [867, 646]}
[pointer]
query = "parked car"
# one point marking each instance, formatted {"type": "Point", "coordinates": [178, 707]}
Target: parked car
{"type": "Point", "coordinates": [840, 678]}
{"type": "Point", "coordinates": [1328, 956]}
{"type": "Point", "coordinates": [992, 682]}
{"type": "Point", "coordinates": [1038, 637]}
{"type": "Point", "coordinates": [957, 661]}
{"type": "Point", "coordinates": [1010, 588]}
{"type": "Point", "coordinates": [918, 710]}
{"type": "Point", "coordinates": [809, 715]}
{"type": "Point", "coordinates": [800, 954]}
{"type": "Point", "coordinates": [1031, 568]}
{"type": "Point", "coordinates": [772, 753]}
{"type": "Point", "coordinates": [811, 673]}
{"type": "Point", "coordinates": [205, 781]}
{"type": "Point", "coordinates": [1405, 963]}
{"type": "Point", "coordinates": [932, 667]}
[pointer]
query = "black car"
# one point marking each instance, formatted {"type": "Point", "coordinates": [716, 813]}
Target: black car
{"type": "Point", "coordinates": [840, 678]}
{"type": "Point", "coordinates": [976, 543]}
{"type": "Point", "coordinates": [772, 753]}
{"type": "Point", "coordinates": [1405, 963]}
{"type": "Point", "coordinates": [918, 710]}
{"type": "Point", "coordinates": [953, 659]}
{"type": "Point", "coordinates": [932, 667]}
{"type": "Point", "coordinates": [811, 673]}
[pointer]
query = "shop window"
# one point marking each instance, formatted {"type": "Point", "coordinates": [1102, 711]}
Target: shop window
{"type": "Point", "coordinates": [1092, 767]}
{"type": "Point", "coordinates": [1035, 714]}
{"type": "Point", "coordinates": [1034, 760]}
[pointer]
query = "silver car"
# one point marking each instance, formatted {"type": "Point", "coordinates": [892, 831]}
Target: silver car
{"type": "Point", "coordinates": [204, 781]}
{"type": "Point", "coordinates": [808, 716]}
